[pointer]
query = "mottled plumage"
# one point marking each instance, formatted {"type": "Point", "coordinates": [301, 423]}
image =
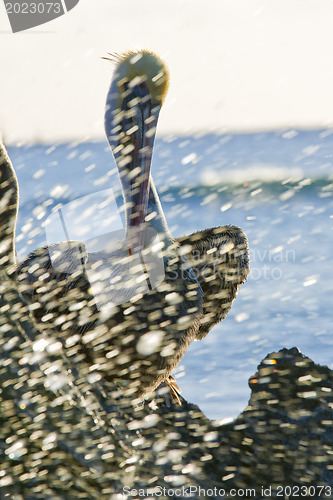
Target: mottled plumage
{"type": "Point", "coordinates": [220, 260]}
{"type": "Point", "coordinates": [138, 343]}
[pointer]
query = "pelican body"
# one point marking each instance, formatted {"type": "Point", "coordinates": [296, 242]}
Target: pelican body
{"type": "Point", "coordinates": [137, 343]}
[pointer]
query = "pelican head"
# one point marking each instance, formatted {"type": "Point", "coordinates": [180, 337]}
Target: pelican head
{"type": "Point", "coordinates": [138, 88]}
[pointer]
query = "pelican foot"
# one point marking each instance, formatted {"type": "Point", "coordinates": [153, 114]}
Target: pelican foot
{"type": "Point", "coordinates": [174, 391]}
{"type": "Point", "coordinates": [166, 395]}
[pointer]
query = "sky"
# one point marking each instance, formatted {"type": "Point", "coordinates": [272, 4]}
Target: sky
{"type": "Point", "coordinates": [235, 65]}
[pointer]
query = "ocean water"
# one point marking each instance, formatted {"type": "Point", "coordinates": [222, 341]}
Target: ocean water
{"type": "Point", "coordinates": [276, 186]}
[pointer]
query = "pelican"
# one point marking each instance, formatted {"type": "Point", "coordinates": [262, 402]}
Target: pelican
{"type": "Point", "coordinates": [134, 330]}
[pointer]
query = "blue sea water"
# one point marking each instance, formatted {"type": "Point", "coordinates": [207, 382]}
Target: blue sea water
{"type": "Point", "coordinates": [277, 186]}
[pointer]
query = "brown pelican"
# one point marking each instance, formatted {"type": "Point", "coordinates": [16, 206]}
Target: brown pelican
{"type": "Point", "coordinates": [134, 330]}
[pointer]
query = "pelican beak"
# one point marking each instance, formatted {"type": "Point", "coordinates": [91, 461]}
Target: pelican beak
{"type": "Point", "coordinates": [139, 183]}
{"type": "Point", "coordinates": [132, 139]}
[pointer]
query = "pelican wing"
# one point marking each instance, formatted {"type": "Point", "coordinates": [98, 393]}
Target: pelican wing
{"type": "Point", "coordinates": [59, 259]}
{"type": "Point", "coordinates": [48, 273]}
{"type": "Point", "coordinates": [220, 260]}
